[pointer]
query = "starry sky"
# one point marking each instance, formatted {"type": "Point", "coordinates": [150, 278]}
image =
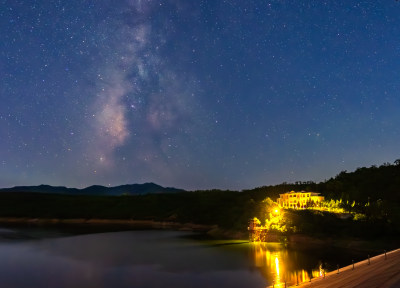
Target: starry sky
{"type": "Point", "coordinates": [196, 94]}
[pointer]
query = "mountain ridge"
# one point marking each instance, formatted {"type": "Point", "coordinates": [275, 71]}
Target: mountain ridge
{"type": "Point", "coordinates": [126, 189]}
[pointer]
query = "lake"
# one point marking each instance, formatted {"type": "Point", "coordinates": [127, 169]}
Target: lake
{"type": "Point", "coordinates": [33, 257]}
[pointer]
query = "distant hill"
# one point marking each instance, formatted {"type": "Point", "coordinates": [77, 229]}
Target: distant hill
{"type": "Point", "coordinates": [129, 189]}
{"type": "Point", "coordinates": [363, 185]}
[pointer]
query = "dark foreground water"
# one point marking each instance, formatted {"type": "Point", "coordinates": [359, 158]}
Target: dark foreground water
{"type": "Point", "coordinates": [51, 258]}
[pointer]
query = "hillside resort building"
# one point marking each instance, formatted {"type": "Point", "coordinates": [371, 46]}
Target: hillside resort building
{"type": "Point", "coordinates": [298, 200]}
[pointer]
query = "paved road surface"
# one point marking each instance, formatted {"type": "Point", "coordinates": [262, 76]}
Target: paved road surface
{"type": "Point", "coordinates": [381, 272]}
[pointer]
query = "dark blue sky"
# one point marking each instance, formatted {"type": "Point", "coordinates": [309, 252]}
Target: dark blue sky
{"type": "Point", "coordinates": [196, 94]}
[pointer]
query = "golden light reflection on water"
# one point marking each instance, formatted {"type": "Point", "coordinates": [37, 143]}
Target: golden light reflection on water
{"type": "Point", "coordinates": [277, 266]}
{"type": "Point", "coordinates": [277, 269]}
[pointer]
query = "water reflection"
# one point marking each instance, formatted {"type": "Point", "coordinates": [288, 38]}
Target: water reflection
{"type": "Point", "coordinates": [279, 265]}
{"type": "Point", "coordinates": [150, 259]}
{"type": "Point", "coordinates": [142, 259]}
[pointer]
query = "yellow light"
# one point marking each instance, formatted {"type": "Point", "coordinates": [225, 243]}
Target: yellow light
{"type": "Point", "coordinates": [277, 266]}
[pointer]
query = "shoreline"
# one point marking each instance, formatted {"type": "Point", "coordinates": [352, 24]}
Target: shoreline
{"type": "Point", "coordinates": [144, 224]}
{"type": "Point", "coordinates": [301, 241]}
{"type": "Point", "coordinates": [305, 241]}
{"type": "Point", "coordinates": [213, 231]}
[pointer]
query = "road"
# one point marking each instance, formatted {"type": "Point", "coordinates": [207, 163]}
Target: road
{"type": "Point", "coordinates": [380, 271]}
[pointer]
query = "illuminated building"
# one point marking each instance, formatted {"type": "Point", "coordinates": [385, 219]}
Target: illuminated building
{"type": "Point", "coordinates": [298, 200]}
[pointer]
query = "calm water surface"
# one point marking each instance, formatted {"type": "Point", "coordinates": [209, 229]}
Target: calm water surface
{"type": "Point", "coordinates": [50, 258]}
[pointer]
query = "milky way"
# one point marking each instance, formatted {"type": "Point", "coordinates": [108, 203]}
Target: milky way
{"type": "Point", "coordinates": [196, 94]}
{"type": "Point", "coordinates": [140, 99]}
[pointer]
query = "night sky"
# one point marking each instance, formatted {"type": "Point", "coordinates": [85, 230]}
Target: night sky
{"type": "Point", "coordinates": [196, 94]}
